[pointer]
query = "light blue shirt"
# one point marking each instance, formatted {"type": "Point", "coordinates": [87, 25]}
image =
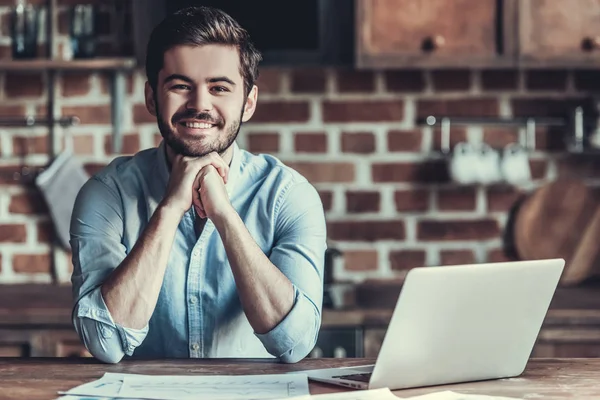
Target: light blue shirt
{"type": "Point", "coordinates": [198, 313]}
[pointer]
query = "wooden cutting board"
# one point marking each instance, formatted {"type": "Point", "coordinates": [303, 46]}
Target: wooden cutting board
{"type": "Point", "coordinates": [560, 220]}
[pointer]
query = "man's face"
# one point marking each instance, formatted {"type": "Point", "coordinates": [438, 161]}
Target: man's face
{"type": "Point", "coordinates": [199, 101]}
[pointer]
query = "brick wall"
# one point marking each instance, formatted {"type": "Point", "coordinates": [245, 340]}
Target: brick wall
{"type": "Point", "coordinates": [390, 205]}
{"type": "Point", "coordinates": [389, 202]}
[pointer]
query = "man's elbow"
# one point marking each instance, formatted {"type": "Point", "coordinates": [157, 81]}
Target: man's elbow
{"type": "Point", "coordinates": [107, 350]}
{"type": "Point", "coordinates": [109, 357]}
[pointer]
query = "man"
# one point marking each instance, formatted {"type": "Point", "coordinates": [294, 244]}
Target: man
{"type": "Point", "coordinates": [197, 248]}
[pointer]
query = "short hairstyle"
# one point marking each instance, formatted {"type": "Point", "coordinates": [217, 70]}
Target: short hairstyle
{"type": "Point", "coordinates": [198, 26]}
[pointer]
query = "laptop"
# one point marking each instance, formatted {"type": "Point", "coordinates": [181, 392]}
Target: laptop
{"type": "Point", "coordinates": [458, 324]}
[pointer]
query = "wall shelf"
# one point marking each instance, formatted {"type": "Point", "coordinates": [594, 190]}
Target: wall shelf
{"type": "Point", "coordinates": [61, 65]}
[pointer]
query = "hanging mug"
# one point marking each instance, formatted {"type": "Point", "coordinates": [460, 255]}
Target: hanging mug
{"type": "Point", "coordinates": [515, 164]}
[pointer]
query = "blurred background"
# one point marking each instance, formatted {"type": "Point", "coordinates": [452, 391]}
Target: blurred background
{"type": "Point", "coordinates": [437, 132]}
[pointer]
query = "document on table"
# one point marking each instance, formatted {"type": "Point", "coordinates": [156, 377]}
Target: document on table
{"type": "Point", "coordinates": [214, 387]}
{"type": "Point", "coordinates": [449, 395]}
{"type": "Point", "coordinates": [373, 394]}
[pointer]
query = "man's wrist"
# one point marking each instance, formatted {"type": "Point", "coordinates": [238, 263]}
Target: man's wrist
{"type": "Point", "coordinates": [225, 216]}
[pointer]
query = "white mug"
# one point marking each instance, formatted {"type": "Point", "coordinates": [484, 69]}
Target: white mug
{"type": "Point", "coordinates": [462, 163]}
{"type": "Point", "coordinates": [488, 165]}
{"type": "Point", "coordinates": [515, 164]}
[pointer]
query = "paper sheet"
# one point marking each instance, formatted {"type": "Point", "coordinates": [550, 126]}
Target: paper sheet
{"type": "Point", "coordinates": [449, 395]}
{"type": "Point", "coordinates": [215, 387]}
{"type": "Point", "coordinates": [107, 386]}
{"type": "Point", "coordinates": [374, 394]}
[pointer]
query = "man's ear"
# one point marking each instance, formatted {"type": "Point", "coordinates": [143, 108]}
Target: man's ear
{"type": "Point", "coordinates": [250, 105]}
{"type": "Point", "coordinates": [150, 103]}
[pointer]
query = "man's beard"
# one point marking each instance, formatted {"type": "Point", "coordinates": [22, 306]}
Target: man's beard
{"type": "Point", "coordinates": [196, 147]}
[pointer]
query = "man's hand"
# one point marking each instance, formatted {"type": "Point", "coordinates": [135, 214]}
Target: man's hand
{"type": "Point", "coordinates": [210, 195]}
{"type": "Point", "coordinates": [185, 178]}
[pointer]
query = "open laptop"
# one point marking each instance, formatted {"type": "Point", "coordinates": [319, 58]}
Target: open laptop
{"type": "Point", "coordinates": [458, 324]}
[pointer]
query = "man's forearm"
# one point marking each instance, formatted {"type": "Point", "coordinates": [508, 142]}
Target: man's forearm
{"type": "Point", "coordinates": [132, 290]}
{"type": "Point", "coordinates": [266, 294]}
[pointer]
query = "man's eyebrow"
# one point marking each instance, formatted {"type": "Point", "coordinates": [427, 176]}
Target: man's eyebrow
{"type": "Point", "coordinates": [221, 79]}
{"type": "Point", "coordinates": [180, 77]}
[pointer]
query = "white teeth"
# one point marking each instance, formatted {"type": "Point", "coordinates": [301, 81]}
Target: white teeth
{"type": "Point", "coordinates": [198, 125]}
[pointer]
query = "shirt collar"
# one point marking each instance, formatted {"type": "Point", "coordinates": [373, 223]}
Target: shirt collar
{"type": "Point", "coordinates": [234, 166]}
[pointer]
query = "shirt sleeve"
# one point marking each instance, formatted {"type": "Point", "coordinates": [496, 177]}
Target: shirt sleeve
{"type": "Point", "coordinates": [96, 243]}
{"type": "Point", "coordinates": [299, 253]}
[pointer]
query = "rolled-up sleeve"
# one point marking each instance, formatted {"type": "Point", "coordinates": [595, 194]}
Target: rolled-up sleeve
{"type": "Point", "coordinates": [299, 251]}
{"type": "Point", "coordinates": [96, 243]}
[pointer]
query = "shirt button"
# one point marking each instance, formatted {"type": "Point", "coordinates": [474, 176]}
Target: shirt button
{"type": "Point", "coordinates": [196, 253]}
{"type": "Point", "coordinates": [195, 346]}
{"type": "Point", "coordinates": [193, 300]}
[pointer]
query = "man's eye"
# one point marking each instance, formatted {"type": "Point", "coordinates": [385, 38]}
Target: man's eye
{"type": "Point", "coordinates": [220, 89]}
{"type": "Point", "coordinates": [181, 87]}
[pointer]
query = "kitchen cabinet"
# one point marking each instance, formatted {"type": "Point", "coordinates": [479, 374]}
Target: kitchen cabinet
{"type": "Point", "coordinates": [472, 34]}
{"type": "Point", "coordinates": [559, 32]}
{"type": "Point", "coordinates": [404, 33]}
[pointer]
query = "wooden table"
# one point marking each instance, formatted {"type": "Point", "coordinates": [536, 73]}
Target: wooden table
{"type": "Point", "coordinates": [41, 378]}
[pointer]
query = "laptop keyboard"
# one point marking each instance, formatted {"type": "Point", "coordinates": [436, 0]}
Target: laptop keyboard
{"type": "Point", "coordinates": [356, 377]}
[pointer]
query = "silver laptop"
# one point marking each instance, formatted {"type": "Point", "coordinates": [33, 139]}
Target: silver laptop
{"type": "Point", "coordinates": [458, 324]}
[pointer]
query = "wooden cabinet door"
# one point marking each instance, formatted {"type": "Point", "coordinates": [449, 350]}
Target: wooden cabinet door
{"type": "Point", "coordinates": [565, 32]}
{"type": "Point", "coordinates": [413, 33]}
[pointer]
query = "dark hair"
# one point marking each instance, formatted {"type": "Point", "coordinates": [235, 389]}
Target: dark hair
{"type": "Point", "coordinates": [200, 26]}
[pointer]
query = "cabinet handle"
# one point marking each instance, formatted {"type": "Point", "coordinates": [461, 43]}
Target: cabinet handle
{"type": "Point", "coordinates": [591, 43]}
{"type": "Point", "coordinates": [433, 43]}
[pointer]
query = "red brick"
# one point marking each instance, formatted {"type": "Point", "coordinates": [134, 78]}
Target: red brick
{"type": "Point", "coordinates": [130, 144]}
{"type": "Point", "coordinates": [93, 168]}
{"type": "Point", "coordinates": [269, 80]}
{"type": "Point", "coordinates": [407, 259]}
{"type": "Point", "coordinates": [587, 80]}
{"type": "Point", "coordinates": [263, 142]}
{"type": "Point", "coordinates": [579, 168]}
{"type": "Point", "coordinates": [12, 111]}
{"type": "Point", "coordinates": [83, 144]}
{"type": "Point", "coordinates": [12, 233]}
{"type": "Point", "coordinates": [32, 263]}
{"type": "Point", "coordinates": [23, 85]}
{"type": "Point", "coordinates": [411, 200]}
{"type": "Point", "coordinates": [448, 230]}
{"type": "Point", "coordinates": [550, 138]}
{"type": "Point", "coordinates": [310, 142]}
{"type": "Point", "coordinates": [366, 231]}
{"type": "Point", "coordinates": [457, 199]}
{"type": "Point", "coordinates": [358, 142]}
{"type": "Point", "coordinates": [499, 80]}
{"type": "Point", "coordinates": [457, 134]}
{"type": "Point", "coordinates": [23, 145]}
{"type": "Point", "coordinates": [363, 111]}
{"type": "Point", "coordinates": [75, 84]}
{"type": "Point", "coordinates": [405, 81]}
{"type": "Point", "coordinates": [538, 168]}
{"type": "Point", "coordinates": [352, 81]}
{"type": "Point", "coordinates": [546, 80]}
{"type": "Point", "coordinates": [471, 107]}
{"type": "Point", "coordinates": [5, 52]}
{"type": "Point", "coordinates": [406, 141]}
{"type": "Point", "coordinates": [451, 80]}
{"type": "Point", "coordinates": [502, 197]}
{"type": "Point", "coordinates": [282, 111]}
{"type": "Point", "coordinates": [326, 199]}
{"type": "Point", "coordinates": [547, 107]}
{"type": "Point", "coordinates": [498, 255]}
{"type": "Point", "coordinates": [428, 171]}
{"type": "Point", "coordinates": [45, 232]}
{"type": "Point", "coordinates": [361, 260]}
{"type": "Point", "coordinates": [30, 202]}
{"type": "Point", "coordinates": [7, 172]}
{"type": "Point", "coordinates": [499, 137]}
{"type": "Point", "coordinates": [320, 172]}
{"type": "Point", "coordinates": [5, 22]}
{"type": "Point", "coordinates": [456, 257]}
{"type": "Point", "coordinates": [142, 116]}
{"type": "Point", "coordinates": [308, 80]}
{"type": "Point", "coordinates": [360, 202]}
{"type": "Point", "coordinates": [98, 114]}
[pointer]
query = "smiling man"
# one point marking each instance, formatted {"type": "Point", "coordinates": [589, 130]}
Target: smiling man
{"type": "Point", "coordinates": [198, 248]}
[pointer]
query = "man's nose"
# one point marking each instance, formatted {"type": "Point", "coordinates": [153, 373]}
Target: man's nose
{"type": "Point", "coordinates": [200, 100]}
